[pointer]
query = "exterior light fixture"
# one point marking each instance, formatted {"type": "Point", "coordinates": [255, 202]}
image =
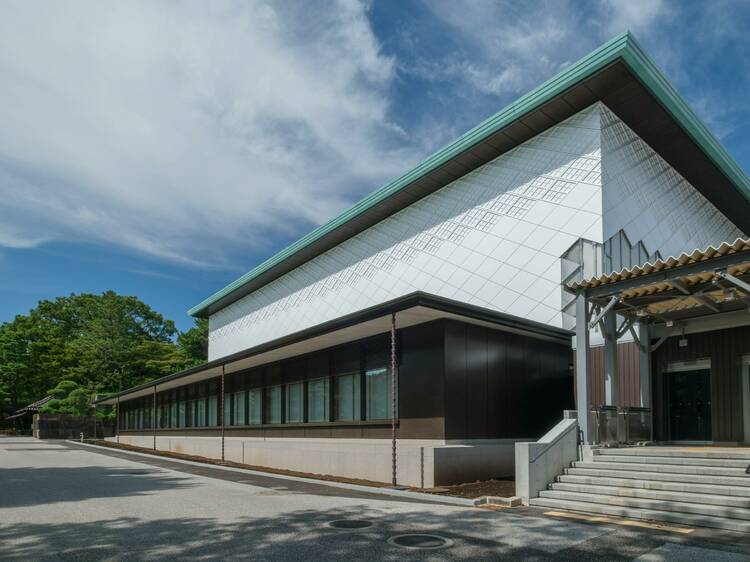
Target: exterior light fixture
{"type": "Point", "coordinates": [641, 312]}
{"type": "Point", "coordinates": [670, 323]}
{"type": "Point", "coordinates": [729, 295]}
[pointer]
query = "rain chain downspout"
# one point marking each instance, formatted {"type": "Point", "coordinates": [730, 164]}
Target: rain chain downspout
{"type": "Point", "coordinates": [393, 395]}
{"type": "Point", "coordinates": [153, 418]}
{"type": "Point", "coordinates": [222, 413]}
{"type": "Point", "coordinates": [117, 418]}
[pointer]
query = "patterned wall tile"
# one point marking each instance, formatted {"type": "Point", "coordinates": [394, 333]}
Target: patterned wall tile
{"type": "Point", "coordinates": [644, 196]}
{"type": "Point", "coordinates": [481, 239]}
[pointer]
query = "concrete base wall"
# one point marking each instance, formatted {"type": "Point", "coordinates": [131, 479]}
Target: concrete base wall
{"type": "Point", "coordinates": [426, 463]}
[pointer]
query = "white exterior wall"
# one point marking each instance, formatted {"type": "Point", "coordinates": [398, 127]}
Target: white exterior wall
{"type": "Point", "coordinates": [427, 462]}
{"type": "Point", "coordinates": [492, 238]}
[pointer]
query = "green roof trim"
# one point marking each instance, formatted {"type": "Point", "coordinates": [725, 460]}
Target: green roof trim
{"type": "Point", "coordinates": [623, 47]}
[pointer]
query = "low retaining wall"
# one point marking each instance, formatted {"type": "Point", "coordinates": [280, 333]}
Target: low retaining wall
{"type": "Point", "coordinates": [65, 426]}
{"type": "Point", "coordinates": [420, 463]}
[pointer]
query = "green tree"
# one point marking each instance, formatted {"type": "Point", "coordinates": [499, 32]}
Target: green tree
{"type": "Point", "coordinates": [194, 342]}
{"type": "Point", "coordinates": [103, 343]}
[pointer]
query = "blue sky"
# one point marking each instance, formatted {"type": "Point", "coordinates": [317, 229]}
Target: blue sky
{"type": "Point", "coordinates": [163, 149]}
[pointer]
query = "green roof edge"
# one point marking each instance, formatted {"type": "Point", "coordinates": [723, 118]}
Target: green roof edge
{"type": "Point", "coordinates": [623, 46]}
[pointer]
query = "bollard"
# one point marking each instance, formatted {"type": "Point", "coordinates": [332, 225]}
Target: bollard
{"type": "Point", "coordinates": [82, 437]}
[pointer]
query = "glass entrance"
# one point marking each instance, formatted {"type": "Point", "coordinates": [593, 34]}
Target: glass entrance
{"type": "Point", "coordinates": [690, 404]}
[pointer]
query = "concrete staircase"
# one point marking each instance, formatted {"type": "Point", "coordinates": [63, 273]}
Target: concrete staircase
{"type": "Point", "coordinates": [705, 487]}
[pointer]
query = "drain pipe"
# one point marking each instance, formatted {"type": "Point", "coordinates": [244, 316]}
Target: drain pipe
{"type": "Point", "coordinates": [393, 395]}
{"type": "Point", "coordinates": [222, 413]}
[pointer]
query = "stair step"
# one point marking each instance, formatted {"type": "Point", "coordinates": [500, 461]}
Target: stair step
{"type": "Point", "coordinates": [665, 468]}
{"type": "Point", "coordinates": [651, 504]}
{"type": "Point", "coordinates": [709, 496]}
{"type": "Point", "coordinates": [665, 485]}
{"type": "Point", "coordinates": [742, 453]}
{"type": "Point", "coordinates": [645, 514]}
{"type": "Point", "coordinates": [739, 481]}
{"type": "Point", "coordinates": [687, 461]}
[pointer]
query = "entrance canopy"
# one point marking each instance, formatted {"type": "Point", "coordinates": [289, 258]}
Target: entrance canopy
{"type": "Point", "coordinates": [694, 292]}
{"type": "Point", "coordinates": [676, 289]}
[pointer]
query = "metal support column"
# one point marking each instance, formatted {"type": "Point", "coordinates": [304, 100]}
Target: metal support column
{"type": "Point", "coordinates": [394, 412]}
{"type": "Point", "coordinates": [644, 363]}
{"type": "Point", "coordinates": [153, 418]}
{"type": "Point", "coordinates": [222, 413]}
{"type": "Point", "coordinates": [611, 378]}
{"type": "Point", "coordinates": [582, 365]}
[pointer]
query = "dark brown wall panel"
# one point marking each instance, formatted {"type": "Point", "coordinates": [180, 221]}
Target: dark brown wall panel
{"type": "Point", "coordinates": [502, 385]}
{"type": "Point", "coordinates": [455, 381]}
{"type": "Point", "coordinates": [420, 391]}
{"type": "Point", "coordinates": [628, 370]}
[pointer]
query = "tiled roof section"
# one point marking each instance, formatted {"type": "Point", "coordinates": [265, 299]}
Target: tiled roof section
{"type": "Point", "coordinates": [741, 245]}
{"type": "Point", "coordinates": [35, 406]}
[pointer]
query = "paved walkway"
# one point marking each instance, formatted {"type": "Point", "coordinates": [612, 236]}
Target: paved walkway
{"type": "Point", "coordinates": [65, 502]}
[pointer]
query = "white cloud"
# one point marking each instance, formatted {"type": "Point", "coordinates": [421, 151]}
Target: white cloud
{"type": "Point", "coordinates": [517, 45]}
{"type": "Point", "coordinates": [187, 130]}
{"type": "Point", "coordinates": [635, 15]}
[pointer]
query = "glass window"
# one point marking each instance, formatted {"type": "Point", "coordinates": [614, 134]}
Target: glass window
{"type": "Point", "coordinates": [181, 409]}
{"type": "Point", "coordinates": [172, 415]}
{"type": "Point", "coordinates": [213, 410]}
{"type": "Point", "coordinates": [295, 395]}
{"type": "Point", "coordinates": [191, 418]}
{"type": "Point", "coordinates": [227, 409]}
{"type": "Point", "coordinates": [201, 413]}
{"type": "Point", "coordinates": [273, 404]}
{"type": "Point", "coordinates": [378, 394]}
{"type": "Point", "coordinates": [239, 408]}
{"type": "Point", "coordinates": [255, 401]}
{"type": "Point", "coordinates": [346, 397]}
{"type": "Point", "coordinates": [317, 400]}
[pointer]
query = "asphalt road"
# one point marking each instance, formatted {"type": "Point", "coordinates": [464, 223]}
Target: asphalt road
{"type": "Point", "coordinates": [65, 502]}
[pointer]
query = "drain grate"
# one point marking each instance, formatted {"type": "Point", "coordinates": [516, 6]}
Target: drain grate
{"type": "Point", "coordinates": [420, 541]}
{"type": "Point", "coordinates": [350, 524]}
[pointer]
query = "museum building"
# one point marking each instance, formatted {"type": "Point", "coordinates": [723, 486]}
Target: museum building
{"type": "Point", "coordinates": [423, 332]}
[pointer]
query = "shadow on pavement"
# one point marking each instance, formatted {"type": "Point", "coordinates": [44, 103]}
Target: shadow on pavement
{"type": "Point", "coordinates": [297, 535]}
{"type": "Point", "coordinates": [27, 486]}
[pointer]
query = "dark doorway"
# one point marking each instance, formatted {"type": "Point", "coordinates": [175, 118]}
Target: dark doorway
{"type": "Point", "coordinates": [690, 405]}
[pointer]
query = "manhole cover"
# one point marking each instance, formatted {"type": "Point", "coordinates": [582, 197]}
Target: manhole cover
{"type": "Point", "coordinates": [350, 524]}
{"type": "Point", "coordinates": [419, 540]}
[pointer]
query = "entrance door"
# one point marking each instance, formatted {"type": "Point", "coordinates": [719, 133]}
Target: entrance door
{"type": "Point", "coordinates": [690, 403]}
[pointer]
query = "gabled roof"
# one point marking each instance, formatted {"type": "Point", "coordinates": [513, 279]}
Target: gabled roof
{"type": "Point", "coordinates": [618, 73]}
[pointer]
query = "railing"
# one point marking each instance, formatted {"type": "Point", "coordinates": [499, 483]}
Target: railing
{"type": "Point", "coordinates": [613, 426]}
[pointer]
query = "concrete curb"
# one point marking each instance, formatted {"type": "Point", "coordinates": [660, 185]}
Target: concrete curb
{"type": "Point", "coordinates": [512, 501]}
{"type": "Point", "coordinates": [465, 502]}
